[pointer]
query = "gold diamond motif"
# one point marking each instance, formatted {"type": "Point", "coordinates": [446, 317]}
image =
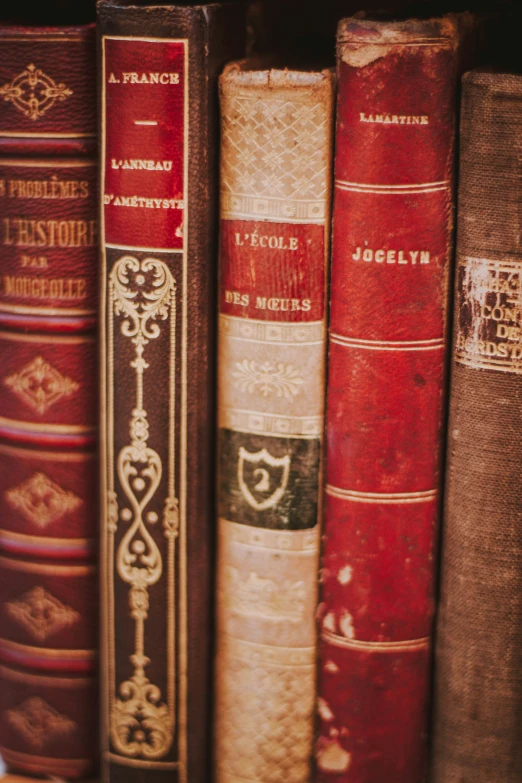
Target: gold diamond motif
{"type": "Point", "coordinates": [41, 613]}
{"type": "Point", "coordinates": [41, 500]}
{"type": "Point", "coordinates": [40, 385]}
{"type": "Point", "coordinates": [39, 723]}
{"type": "Point", "coordinates": [33, 92]}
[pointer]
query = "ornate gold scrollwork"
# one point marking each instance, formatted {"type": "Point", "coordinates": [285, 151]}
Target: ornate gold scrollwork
{"type": "Point", "coordinates": [142, 721]}
{"type": "Point", "coordinates": [33, 92]}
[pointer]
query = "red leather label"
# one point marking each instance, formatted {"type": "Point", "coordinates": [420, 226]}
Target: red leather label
{"type": "Point", "coordinates": [144, 86]}
{"type": "Point", "coordinates": [48, 237]}
{"type": "Point", "coordinates": [269, 271]}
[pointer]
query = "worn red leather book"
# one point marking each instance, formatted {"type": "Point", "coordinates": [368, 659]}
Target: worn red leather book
{"type": "Point", "coordinates": [158, 67]}
{"type": "Point", "coordinates": [48, 409]}
{"type": "Point", "coordinates": [478, 688]}
{"type": "Point", "coordinates": [275, 212]}
{"type": "Point", "coordinates": [392, 246]}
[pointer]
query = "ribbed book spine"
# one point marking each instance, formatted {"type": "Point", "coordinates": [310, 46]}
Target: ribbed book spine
{"type": "Point", "coordinates": [48, 411]}
{"type": "Point", "coordinates": [479, 639]}
{"type": "Point", "coordinates": [158, 68]}
{"type": "Point", "coordinates": [392, 247]}
{"type": "Point", "coordinates": [275, 209]}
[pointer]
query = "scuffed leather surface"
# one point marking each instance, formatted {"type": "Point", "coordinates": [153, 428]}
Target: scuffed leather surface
{"type": "Point", "coordinates": [385, 407]}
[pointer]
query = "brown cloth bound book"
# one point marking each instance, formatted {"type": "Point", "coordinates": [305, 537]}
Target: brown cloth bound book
{"type": "Point", "coordinates": [275, 213]}
{"type": "Point", "coordinates": [48, 408]}
{"type": "Point", "coordinates": [478, 728]}
{"type": "Point", "coordinates": [158, 68]}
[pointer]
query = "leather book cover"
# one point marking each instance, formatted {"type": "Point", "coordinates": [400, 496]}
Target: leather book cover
{"type": "Point", "coordinates": [158, 67]}
{"type": "Point", "coordinates": [276, 157]}
{"type": "Point", "coordinates": [478, 688]}
{"type": "Point", "coordinates": [48, 401]}
{"type": "Point", "coordinates": [392, 245]}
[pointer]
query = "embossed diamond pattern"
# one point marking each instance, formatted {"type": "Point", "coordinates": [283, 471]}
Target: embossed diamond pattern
{"type": "Point", "coordinates": [42, 500]}
{"type": "Point", "coordinates": [264, 154]}
{"type": "Point", "coordinates": [41, 613]}
{"type": "Point", "coordinates": [39, 723]}
{"type": "Point", "coordinates": [265, 722]}
{"type": "Point", "coordinates": [40, 385]}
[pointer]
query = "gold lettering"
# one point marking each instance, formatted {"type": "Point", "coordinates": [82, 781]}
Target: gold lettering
{"type": "Point", "coordinates": [391, 255]}
{"type": "Point", "coordinates": [39, 262]}
{"type": "Point", "coordinates": [394, 119]}
{"type": "Point", "coordinates": [148, 78]}
{"type": "Point", "coordinates": [271, 241]}
{"type": "Point", "coordinates": [22, 232]}
{"type": "Point", "coordinates": [42, 288]}
{"type": "Point", "coordinates": [52, 188]}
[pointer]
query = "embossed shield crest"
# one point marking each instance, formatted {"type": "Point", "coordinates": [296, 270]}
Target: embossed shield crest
{"type": "Point", "coordinates": [267, 477]}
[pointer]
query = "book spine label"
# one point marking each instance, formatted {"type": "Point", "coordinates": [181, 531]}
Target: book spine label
{"type": "Point", "coordinates": [391, 256]}
{"type": "Point", "coordinates": [48, 402]}
{"type": "Point", "coordinates": [48, 239]}
{"type": "Point", "coordinates": [275, 180]}
{"type": "Point", "coordinates": [144, 335]}
{"type": "Point", "coordinates": [478, 697]}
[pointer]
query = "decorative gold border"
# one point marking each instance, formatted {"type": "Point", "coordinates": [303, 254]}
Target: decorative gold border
{"type": "Point", "coordinates": [408, 645]}
{"type": "Point", "coordinates": [51, 163]}
{"type": "Point", "coordinates": [107, 458]}
{"type": "Point", "coordinates": [47, 652]}
{"type": "Point", "coordinates": [82, 544]}
{"type": "Point", "coordinates": [20, 135]}
{"type": "Point", "coordinates": [45, 682]}
{"type": "Point", "coordinates": [53, 429]}
{"type": "Point", "coordinates": [44, 568]}
{"type": "Point", "coordinates": [28, 310]}
{"type": "Point", "coordinates": [55, 339]}
{"type": "Point", "coordinates": [42, 765]}
{"type": "Point", "coordinates": [53, 456]}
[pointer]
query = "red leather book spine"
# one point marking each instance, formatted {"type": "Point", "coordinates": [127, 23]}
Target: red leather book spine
{"type": "Point", "coordinates": [391, 262]}
{"type": "Point", "coordinates": [48, 409]}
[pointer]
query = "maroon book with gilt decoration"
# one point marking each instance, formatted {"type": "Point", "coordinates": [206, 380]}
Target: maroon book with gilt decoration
{"type": "Point", "coordinates": [392, 242]}
{"type": "Point", "coordinates": [48, 409]}
{"type": "Point", "coordinates": [158, 69]}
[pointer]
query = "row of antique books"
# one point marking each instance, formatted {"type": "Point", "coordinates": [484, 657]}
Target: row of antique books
{"type": "Point", "coordinates": [259, 400]}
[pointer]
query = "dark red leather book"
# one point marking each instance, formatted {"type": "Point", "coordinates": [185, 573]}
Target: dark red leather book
{"type": "Point", "coordinates": [48, 409]}
{"type": "Point", "coordinates": [392, 246]}
{"type": "Point", "coordinates": [158, 68]}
